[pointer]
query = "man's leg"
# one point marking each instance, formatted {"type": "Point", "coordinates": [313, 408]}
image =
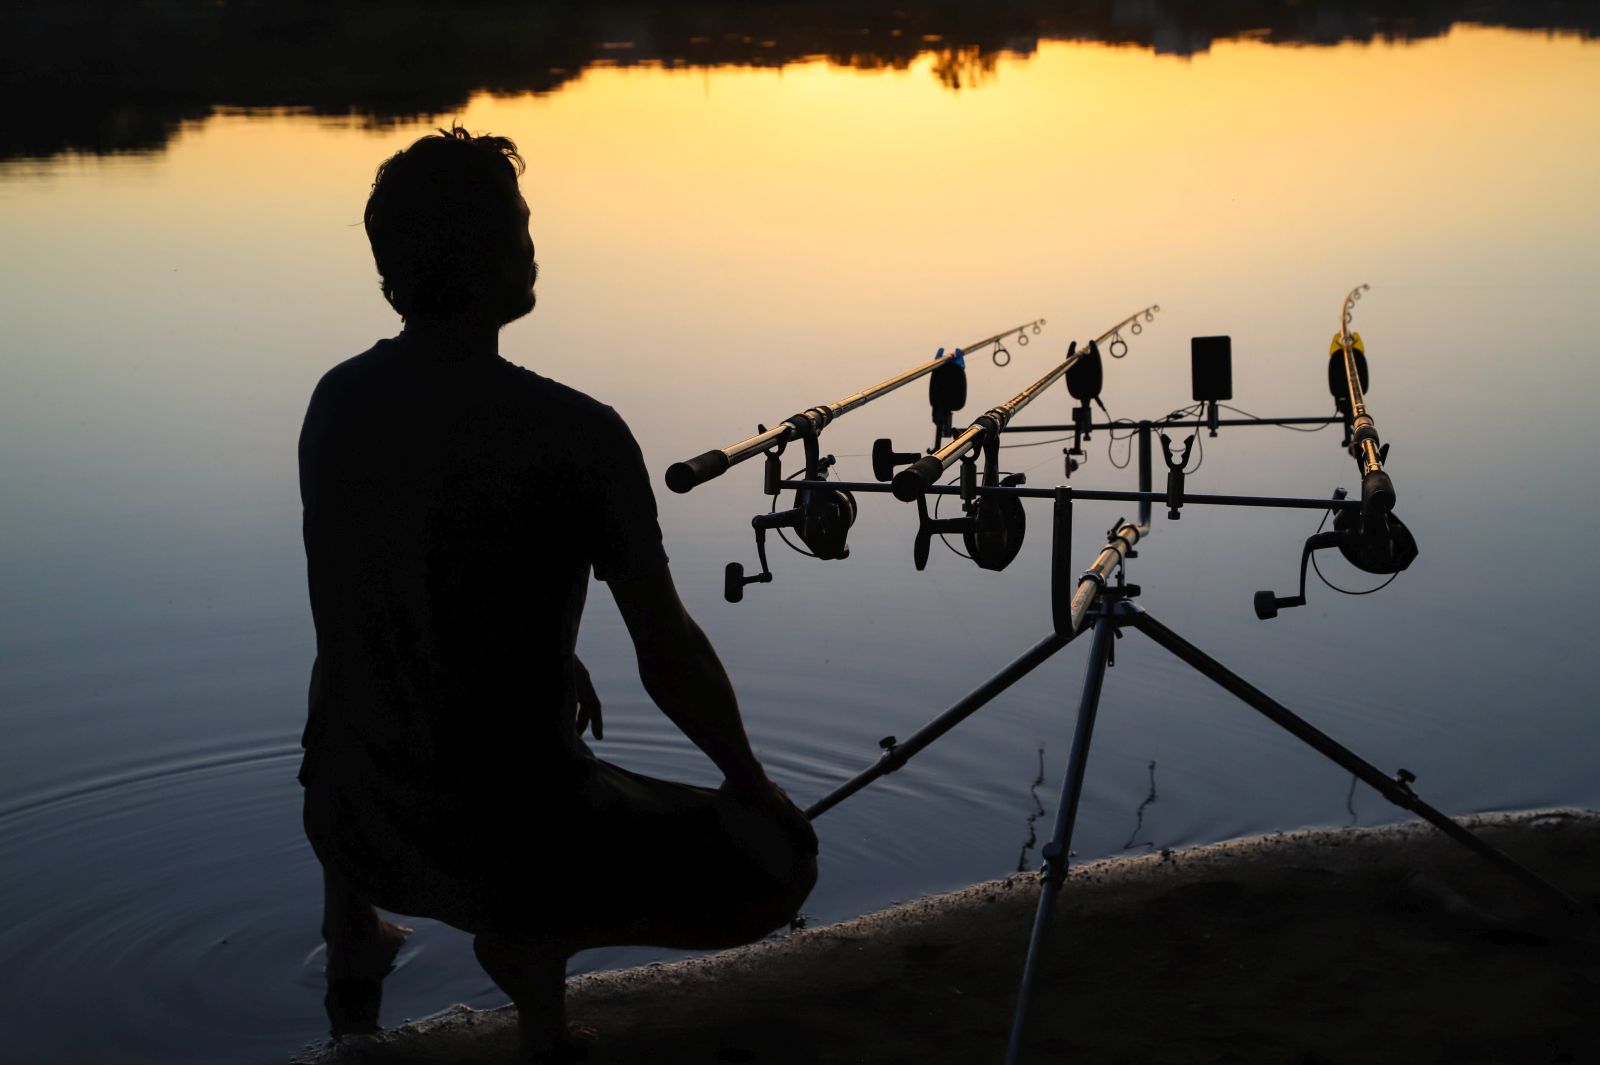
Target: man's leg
{"type": "Point", "coordinates": [711, 874]}
{"type": "Point", "coordinates": [532, 971]}
{"type": "Point", "coordinates": [713, 870]}
{"type": "Point", "coordinates": [361, 950]}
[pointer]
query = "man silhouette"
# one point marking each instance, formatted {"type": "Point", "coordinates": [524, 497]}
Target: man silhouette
{"type": "Point", "coordinates": [454, 506]}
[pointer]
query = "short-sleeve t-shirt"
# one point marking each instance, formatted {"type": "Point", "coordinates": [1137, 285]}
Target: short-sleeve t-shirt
{"type": "Point", "coordinates": [453, 510]}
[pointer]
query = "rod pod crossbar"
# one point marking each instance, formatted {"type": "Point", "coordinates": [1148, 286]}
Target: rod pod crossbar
{"type": "Point", "coordinates": [689, 474]}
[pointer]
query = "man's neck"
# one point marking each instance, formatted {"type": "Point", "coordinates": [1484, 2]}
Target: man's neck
{"type": "Point", "coordinates": [453, 338]}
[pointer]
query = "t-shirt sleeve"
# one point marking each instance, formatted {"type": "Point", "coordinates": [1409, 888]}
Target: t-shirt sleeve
{"type": "Point", "coordinates": [624, 537]}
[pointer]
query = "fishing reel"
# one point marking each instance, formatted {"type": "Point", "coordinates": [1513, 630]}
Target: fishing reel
{"type": "Point", "coordinates": [821, 519]}
{"type": "Point", "coordinates": [992, 527]}
{"type": "Point", "coordinates": [1370, 538]}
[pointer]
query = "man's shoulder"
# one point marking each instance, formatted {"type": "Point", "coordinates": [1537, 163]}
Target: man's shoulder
{"type": "Point", "coordinates": [556, 400]}
{"type": "Point", "coordinates": [351, 372]}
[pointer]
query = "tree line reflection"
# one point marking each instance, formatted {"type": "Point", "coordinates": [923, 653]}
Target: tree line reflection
{"type": "Point", "coordinates": [102, 77]}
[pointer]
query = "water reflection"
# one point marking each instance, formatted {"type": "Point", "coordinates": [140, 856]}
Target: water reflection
{"type": "Point", "coordinates": [89, 77]}
{"type": "Point", "coordinates": [733, 244]}
{"type": "Point", "coordinates": [1033, 818]}
{"type": "Point", "coordinates": [1138, 815]}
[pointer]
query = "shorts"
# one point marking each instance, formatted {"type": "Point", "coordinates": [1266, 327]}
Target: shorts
{"type": "Point", "coordinates": [596, 856]}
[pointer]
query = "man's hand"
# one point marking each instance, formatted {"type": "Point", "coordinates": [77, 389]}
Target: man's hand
{"type": "Point", "coordinates": [588, 704]}
{"type": "Point", "coordinates": [765, 797]}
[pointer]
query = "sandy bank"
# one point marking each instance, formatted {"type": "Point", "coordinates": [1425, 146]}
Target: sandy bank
{"type": "Point", "coordinates": [1368, 945]}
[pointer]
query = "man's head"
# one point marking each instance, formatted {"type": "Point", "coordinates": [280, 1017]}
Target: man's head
{"type": "Point", "coordinates": [449, 230]}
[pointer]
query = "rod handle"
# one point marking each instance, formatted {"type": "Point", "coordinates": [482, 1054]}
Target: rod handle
{"type": "Point", "coordinates": [1377, 493]}
{"type": "Point", "coordinates": [682, 476]}
{"type": "Point", "coordinates": [911, 482]}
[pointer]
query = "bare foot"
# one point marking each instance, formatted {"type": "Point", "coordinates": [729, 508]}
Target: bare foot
{"type": "Point", "coordinates": [565, 1046]}
{"type": "Point", "coordinates": [361, 951]}
{"type": "Point", "coordinates": [533, 975]}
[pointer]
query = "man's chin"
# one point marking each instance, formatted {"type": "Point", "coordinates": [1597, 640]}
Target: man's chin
{"type": "Point", "coordinates": [518, 308]}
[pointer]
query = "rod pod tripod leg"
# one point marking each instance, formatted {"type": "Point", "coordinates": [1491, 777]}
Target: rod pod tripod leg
{"type": "Point", "coordinates": [1118, 612]}
{"type": "Point", "coordinates": [1397, 790]}
{"type": "Point", "coordinates": [897, 753]}
{"type": "Point", "coordinates": [1058, 851]}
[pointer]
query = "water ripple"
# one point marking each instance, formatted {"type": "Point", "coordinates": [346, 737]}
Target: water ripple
{"type": "Point", "coordinates": [192, 763]}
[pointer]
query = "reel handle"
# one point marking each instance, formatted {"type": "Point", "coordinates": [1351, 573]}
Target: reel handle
{"type": "Point", "coordinates": [1268, 605]}
{"type": "Point", "coordinates": [885, 458]}
{"type": "Point", "coordinates": [734, 580]}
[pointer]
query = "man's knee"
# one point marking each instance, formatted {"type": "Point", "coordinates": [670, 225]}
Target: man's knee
{"type": "Point", "coordinates": [774, 904]}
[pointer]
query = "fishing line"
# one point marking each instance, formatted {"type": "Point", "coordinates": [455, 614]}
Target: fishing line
{"type": "Point", "coordinates": [1258, 418]}
{"type": "Point", "coordinates": [1173, 416]}
{"type": "Point", "coordinates": [937, 501]}
{"type": "Point", "coordinates": [774, 510]}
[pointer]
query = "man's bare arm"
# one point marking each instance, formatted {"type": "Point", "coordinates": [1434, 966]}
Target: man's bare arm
{"type": "Point", "coordinates": [684, 677]}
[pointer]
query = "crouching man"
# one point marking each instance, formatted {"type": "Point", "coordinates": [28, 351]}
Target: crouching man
{"type": "Point", "coordinates": [454, 507]}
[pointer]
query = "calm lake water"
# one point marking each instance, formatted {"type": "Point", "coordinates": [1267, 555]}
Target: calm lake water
{"type": "Point", "coordinates": [726, 244]}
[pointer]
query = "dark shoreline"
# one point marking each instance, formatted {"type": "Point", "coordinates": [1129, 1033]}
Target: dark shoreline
{"type": "Point", "coordinates": [98, 77]}
{"type": "Point", "coordinates": [1376, 945]}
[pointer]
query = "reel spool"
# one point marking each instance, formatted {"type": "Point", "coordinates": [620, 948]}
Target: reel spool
{"type": "Point", "coordinates": [996, 533]}
{"type": "Point", "coordinates": [826, 515]}
{"type": "Point", "coordinates": [1377, 543]}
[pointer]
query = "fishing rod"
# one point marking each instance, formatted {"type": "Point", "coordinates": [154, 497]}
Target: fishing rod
{"type": "Point", "coordinates": [1377, 491]}
{"type": "Point", "coordinates": [991, 524]}
{"type": "Point", "coordinates": [1372, 538]}
{"type": "Point", "coordinates": [911, 482]}
{"type": "Point", "coordinates": [683, 476]}
{"type": "Point", "coordinates": [823, 513]}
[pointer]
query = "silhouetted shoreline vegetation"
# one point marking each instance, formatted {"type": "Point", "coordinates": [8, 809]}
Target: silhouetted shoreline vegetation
{"type": "Point", "coordinates": [103, 77]}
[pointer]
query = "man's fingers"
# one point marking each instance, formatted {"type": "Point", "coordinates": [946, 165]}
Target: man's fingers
{"type": "Point", "coordinates": [588, 704]}
{"type": "Point", "coordinates": [588, 717]}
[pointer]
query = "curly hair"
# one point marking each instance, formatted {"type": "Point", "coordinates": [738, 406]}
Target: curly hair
{"type": "Point", "coordinates": [440, 215]}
